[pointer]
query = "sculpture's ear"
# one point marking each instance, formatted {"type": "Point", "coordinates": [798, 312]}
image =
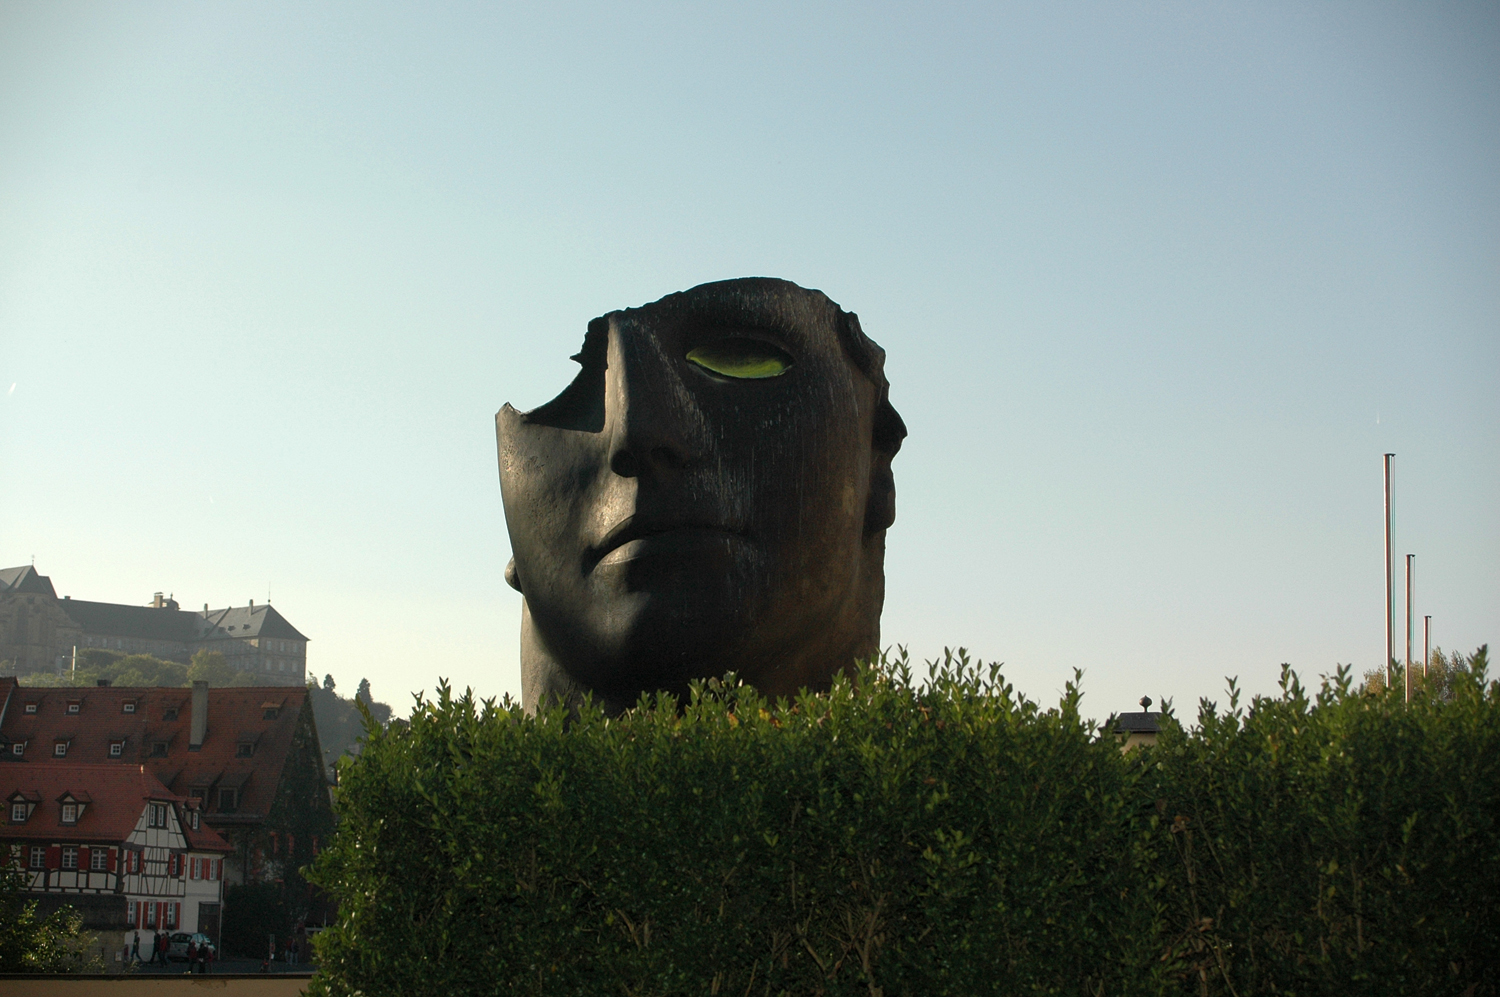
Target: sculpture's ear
{"type": "Point", "coordinates": [511, 578]}
{"type": "Point", "coordinates": [889, 431]}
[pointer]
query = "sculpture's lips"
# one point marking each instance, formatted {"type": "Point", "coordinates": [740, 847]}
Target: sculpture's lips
{"type": "Point", "coordinates": [640, 537]}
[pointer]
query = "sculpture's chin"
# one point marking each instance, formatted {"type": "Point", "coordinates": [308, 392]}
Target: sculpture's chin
{"type": "Point", "coordinates": [662, 640]}
{"type": "Point", "coordinates": [659, 633]}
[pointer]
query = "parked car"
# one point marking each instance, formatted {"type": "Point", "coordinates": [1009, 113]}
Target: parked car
{"type": "Point", "coordinates": [177, 950]}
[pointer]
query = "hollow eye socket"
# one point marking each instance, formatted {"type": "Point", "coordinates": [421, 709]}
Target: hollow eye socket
{"type": "Point", "coordinates": [744, 359]}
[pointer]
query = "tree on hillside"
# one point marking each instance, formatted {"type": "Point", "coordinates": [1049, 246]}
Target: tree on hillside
{"type": "Point", "coordinates": [380, 711]}
{"type": "Point", "coordinates": [145, 670]}
{"type": "Point", "coordinates": [212, 667]}
{"type": "Point", "coordinates": [118, 669]}
{"type": "Point", "coordinates": [341, 728]}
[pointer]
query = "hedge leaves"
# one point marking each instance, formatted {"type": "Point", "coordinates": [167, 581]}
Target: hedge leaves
{"type": "Point", "coordinates": [944, 838]}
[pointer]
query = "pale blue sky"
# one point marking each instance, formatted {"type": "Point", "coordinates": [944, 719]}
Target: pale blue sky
{"type": "Point", "coordinates": [1158, 285]}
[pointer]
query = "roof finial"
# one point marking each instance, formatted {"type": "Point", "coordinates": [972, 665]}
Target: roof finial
{"type": "Point", "coordinates": [1146, 703]}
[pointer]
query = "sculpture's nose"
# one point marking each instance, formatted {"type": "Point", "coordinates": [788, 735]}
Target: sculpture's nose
{"type": "Point", "coordinates": [652, 420]}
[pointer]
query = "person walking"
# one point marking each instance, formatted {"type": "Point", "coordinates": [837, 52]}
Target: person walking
{"type": "Point", "coordinates": [163, 940]}
{"type": "Point", "coordinates": [192, 953]}
{"type": "Point", "coordinates": [135, 947]}
{"type": "Point", "coordinates": [203, 951]}
{"type": "Point", "coordinates": [207, 957]}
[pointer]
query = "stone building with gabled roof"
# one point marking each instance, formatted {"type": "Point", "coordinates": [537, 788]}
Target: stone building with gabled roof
{"type": "Point", "coordinates": [39, 631]}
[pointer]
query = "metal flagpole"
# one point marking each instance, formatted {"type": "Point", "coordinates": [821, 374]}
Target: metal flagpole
{"type": "Point", "coordinates": [1390, 595]}
{"type": "Point", "coordinates": [1426, 645]}
{"type": "Point", "coordinates": [1409, 559]}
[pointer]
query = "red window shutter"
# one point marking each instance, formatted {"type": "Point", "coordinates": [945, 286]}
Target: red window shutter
{"type": "Point", "coordinates": [111, 860]}
{"type": "Point", "coordinates": [83, 859]}
{"type": "Point", "coordinates": [219, 869]}
{"type": "Point", "coordinates": [54, 857]}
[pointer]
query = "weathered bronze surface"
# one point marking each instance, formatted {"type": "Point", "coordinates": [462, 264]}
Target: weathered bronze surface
{"type": "Point", "coordinates": [710, 494]}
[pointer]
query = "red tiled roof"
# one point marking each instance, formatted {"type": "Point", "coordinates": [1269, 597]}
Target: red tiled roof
{"type": "Point", "coordinates": [204, 838]}
{"type": "Point", "coordinates": [232, 714]}
{"type": "Point", "coordinates": [116, 795]}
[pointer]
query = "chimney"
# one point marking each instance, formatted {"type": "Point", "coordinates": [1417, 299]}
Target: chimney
{"type": "Point", "coordinates": [156, 601]}
{"type": "Point", "coordinates": [252, 607]}
{"type": "Point", "coordinates": [102, 683]}
{"type": "Point", "coordinates": [200, 716]}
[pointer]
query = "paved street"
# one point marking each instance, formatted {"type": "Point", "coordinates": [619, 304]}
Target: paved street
{"type": "Point", "coordinates": [228, 966]}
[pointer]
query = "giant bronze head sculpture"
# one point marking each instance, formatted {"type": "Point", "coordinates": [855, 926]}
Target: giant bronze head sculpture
{"type": "Point", "coordinates": [710, 494]}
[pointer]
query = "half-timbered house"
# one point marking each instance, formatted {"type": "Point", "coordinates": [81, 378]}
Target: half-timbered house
{"type": "Point", "coordinates": [113, 842]}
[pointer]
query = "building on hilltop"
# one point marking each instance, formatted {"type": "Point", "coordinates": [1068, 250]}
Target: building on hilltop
{"type": "Point", "coordinates": [40, 632]}
{"type": "Point", "coordinates": [248, 760]}
{"type": "Point", "coordinates": [116, 845]}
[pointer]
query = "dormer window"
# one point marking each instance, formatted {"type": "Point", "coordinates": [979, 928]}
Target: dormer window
{"type": "Point", "coordinates": [170, 714]}
{"type": "Point", "coordinates": [116, 749]}
{"type": "Point", "coordinates": [244, 750]}
{"type": "Point", "coordinates": [193, 819]}
{"type": "Point", "coordinates": [19, 812]}
{"type": "Point", "coordinates": [70, 813]}
{"type": "Point", "coordinates": [156, 815]}
{"type": "Point", "coordinates": [74, 705]}
{"type": "Point", "coordinates": [272, 713]}
{"type": "Point", "coordinates": [60, 749]}
{"type": "Point", "coordinates": [18, 748]}
{"type": "Point", "coordinates": [31, 707]}
{"type": "Point", "coordinates": [158, 749]}
{"type": "Point", "coordinates": [228, 801]}
{"type": "Point", "coordinates": [128, 706]}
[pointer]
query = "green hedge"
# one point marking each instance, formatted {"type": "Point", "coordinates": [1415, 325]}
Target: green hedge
{"type": "Point", "coordinates": [952, 838]}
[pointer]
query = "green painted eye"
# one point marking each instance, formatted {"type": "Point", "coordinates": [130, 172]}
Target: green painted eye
{"type": "Point", "coordinates": [745, 359]}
